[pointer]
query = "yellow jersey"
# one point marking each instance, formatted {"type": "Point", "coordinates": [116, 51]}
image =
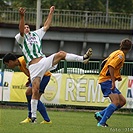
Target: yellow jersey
{"type": "Point", "coordinates": [23, 68]}
{"type": "Point", "coordinates": [116, 60]}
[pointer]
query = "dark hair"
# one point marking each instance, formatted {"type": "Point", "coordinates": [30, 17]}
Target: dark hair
{"type": "Point", "coordinates": [126, 44]}
{"type": "Point", "coordinates": [27, 24]}
{"type": "Point", "coordinates": [8, 57]}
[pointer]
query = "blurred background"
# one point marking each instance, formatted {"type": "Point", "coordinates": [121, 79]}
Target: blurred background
{"type": "Point", "coordinates": [77, 25]}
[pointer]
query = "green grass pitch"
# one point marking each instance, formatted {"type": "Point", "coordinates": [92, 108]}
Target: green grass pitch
{"type": "Point", "coordinates": [63, 122]}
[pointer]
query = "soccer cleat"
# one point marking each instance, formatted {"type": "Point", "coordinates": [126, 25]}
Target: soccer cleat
{"type": "Point", "coordinates": [27, 120]}
{"type": "Point", "coordinates": [101, 125]}
{"type": "Point", "coordinates": [98, 116]}
{"type": "Point", "coordinates": [33, 120]}
{"type": "Point", "coordinates": [46, 122]}
{"type": "Point", "coordinates": [87, 56]}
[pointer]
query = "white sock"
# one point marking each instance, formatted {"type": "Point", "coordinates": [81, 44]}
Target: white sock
{"type": "Point", "coordinates": [34, 103]}
{"type": "Point", "coordinates": [73, 57]}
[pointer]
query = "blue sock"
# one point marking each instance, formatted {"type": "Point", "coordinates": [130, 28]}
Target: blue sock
{"type": "Point", "coordinates": [41, 108]}
{"type": "Point", "coordinates": [29, 105]}
{"type": "Point", "coordinates": [118, 107]}
{"type": "Point", "coordinates": [103, 111]}
{"type": "Point", "coordinates": [109, 111]}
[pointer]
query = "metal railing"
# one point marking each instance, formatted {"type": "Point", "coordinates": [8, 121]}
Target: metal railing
{"type": "Point", "coordinates": [72, 18]}
{"type": "Point", "coordinates": [93, 67]}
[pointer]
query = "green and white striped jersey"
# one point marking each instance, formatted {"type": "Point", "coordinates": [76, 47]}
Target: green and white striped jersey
{"type": "Point", "coordinates": [30, 44]}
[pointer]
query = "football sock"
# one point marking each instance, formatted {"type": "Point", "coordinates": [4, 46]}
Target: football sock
{"type": "Point", "coordinates": [41, 108]}
{"type": "Point", "coordinates": [29, 105]}
{"type": "Point", "coordinates": [73, 57]}
{"type": "Point", "coordinates": [103, 111]}
{"type": "Point", "coordinates": [34, 103]}
{"type": "Point", "coordinates": [118, 107]}
{"type": "Point", "coordinates": [109, 111]}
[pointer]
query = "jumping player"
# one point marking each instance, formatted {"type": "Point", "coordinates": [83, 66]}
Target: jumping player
{"type": "Point", "coordinates": [37, 62]}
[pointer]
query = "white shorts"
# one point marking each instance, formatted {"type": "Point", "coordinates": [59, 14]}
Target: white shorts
{"type": "Point", "coordinates": [39, 69]}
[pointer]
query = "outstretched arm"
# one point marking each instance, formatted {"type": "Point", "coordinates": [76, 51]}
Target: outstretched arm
{"type": "Point", "coordinates": [49, 18]}
{"type": "Point", "coordinates": [22, 21]}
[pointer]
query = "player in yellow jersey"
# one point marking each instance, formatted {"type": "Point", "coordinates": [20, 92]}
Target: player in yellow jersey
{"type": "Point", "coordinates": [110, 72]}
{"type": "Point", "coordinates": [11, 61]}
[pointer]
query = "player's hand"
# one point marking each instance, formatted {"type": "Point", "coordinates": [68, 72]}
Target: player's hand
{"type": "Point", "coordinates": [119, 79]}
{"type": "Point", "coordinates": [113, 86]}
{"type": "Point", "coordinates": [28, 83]}
{"type": "Point", "coordinates": [52, 8]}
{"type": "Point", "coordinates": [22, 11]}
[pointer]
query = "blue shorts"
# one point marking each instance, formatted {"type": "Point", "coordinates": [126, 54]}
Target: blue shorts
{"type": "Point", "coordinates": [105, 87]}
{"type": "Point", "coordinates": [43, 83]}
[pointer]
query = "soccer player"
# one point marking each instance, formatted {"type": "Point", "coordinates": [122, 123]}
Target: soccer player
{"type": "Point", "coordinates": [11, 61]}
{"type": "Point", "coordinates": [108, 75]}
{"type": "Point", "coordinates": [37, 62]}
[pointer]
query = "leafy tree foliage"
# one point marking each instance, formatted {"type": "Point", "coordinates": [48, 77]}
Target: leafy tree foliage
{"type": "Point", "coordinates": [4, 3]}
{"type": "Point", "coordinates": [95, 5]}
{"type": "Point", "coordinates": [124, 6]}
{"type": "Point", "coordinates": [23, 3]}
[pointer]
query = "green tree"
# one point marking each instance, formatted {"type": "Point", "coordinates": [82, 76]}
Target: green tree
{"type": "Point", "coordinates": [95, 5]}
{"type": "Point", "coordinates": [4, 3]}
{"type": "Point", "coordinates": [123, 6]}
{"type": "Point", "coordinates": [23, 3]}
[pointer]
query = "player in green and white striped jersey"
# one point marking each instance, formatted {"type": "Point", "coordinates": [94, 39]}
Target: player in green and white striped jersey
{"type": "Point", "coordinates": [37, 63]}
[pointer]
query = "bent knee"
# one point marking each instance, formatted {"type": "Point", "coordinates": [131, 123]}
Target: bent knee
{"type": "Point", "coordinates": [123, 102]}
{"type": "Point", "coordinates": [28, 91]}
